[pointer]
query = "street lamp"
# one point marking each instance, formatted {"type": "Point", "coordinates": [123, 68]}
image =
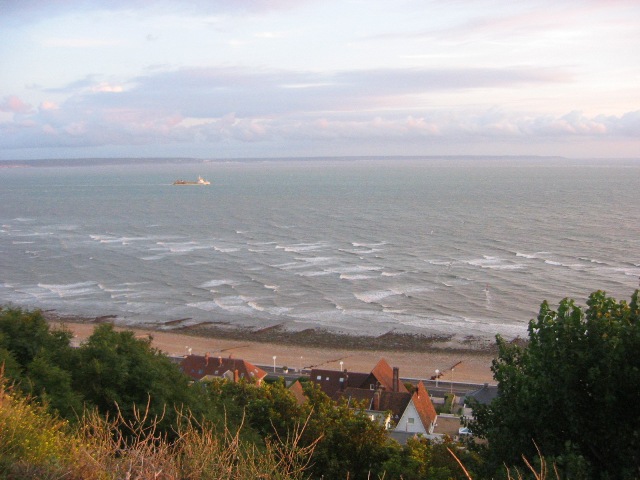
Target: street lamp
{"type": "Point", "coordinates": [274, 364]}
{"type": "Point", "coordinates": [452, 380]}
{"type": "Point", "coordinates": [341, 363]}
{"type": "Point", "coordinates": [437, 376]}
{"type": "Point", "coordinates": [300, 366]}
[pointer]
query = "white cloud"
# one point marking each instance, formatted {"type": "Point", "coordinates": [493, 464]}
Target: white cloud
{"type": "Point", "coordinates": [14, 104]}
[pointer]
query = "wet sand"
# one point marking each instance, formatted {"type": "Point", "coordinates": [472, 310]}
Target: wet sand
{"type": "Point", "coordinates": [416, 356]}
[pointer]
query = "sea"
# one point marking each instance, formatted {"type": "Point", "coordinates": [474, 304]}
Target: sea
{"type": "Point", "coordinates": [457, 247]}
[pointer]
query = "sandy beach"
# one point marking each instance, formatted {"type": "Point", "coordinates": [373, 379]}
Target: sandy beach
{"type": "Point", "coordinates": [471, 365]}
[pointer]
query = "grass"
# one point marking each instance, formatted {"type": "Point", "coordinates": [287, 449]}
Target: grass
{"type": "Point", "coordinates": [36, 445]}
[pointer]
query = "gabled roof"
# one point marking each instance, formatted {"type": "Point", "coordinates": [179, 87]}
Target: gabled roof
{"type": "Point", "coordinates": [297, 392]}
{"type": "Point", "coordinates": [198, 366]}
{"type": "Point", "coordinates": [383, 374]}
{"type": "Point", "coordinates": [424, 406]}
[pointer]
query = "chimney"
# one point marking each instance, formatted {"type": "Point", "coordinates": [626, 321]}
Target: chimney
{"type": "Point", "coordinates": [206, 359]}
{"type": "Point", "coordinates": [396, 379]}
{"type": "Point", "coordinates": [236, 376]}
{"type": "Point", "coordinates": [376, 400]}
{"type": "Point", "coordinates": [219, 361]}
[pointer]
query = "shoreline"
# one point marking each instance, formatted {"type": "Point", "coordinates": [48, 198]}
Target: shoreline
{"type": "Point", "coordinates": [417, 356]}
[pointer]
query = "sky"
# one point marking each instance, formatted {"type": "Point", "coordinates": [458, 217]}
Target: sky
{"type": "Point", "coordinates": [282, 78]}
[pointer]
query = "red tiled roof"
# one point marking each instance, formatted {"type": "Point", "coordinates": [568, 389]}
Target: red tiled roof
{"type": "Point", "coordinates": [298, 393]}
{"type": "Point", "coordinates": [424, 406]}
{"type": "Point", "coordinates": [197, 367]}
{"type": "Point", "coordinates": [383, 373]}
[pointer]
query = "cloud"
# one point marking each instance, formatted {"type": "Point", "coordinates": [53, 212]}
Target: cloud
{"type": "Point", "coordinates": [215, 92]}
{"type": "Point", "coordinates": [236, 106]}
{"type": "Point", "coordinates": [13, 104]}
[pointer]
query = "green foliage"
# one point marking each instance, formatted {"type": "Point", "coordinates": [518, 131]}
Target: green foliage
{"type": "Point", "coordinates": [422, 458]}
{"type": "Point", "coordinates": [28, 433]}
{"type": "Point", "coordinates": [115, 368]}
{"type": "Point", "coordinates": [26, 333]}
{"type": "Point", "coordinates": [36, 445]}
{"type": "Point", "coordinates": [347, 443]}
{"type": "Point", "coordinates": [573, 390]}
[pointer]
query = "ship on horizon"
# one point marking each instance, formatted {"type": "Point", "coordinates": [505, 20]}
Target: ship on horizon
{"type": "Point", "coordinates": [200, 181]}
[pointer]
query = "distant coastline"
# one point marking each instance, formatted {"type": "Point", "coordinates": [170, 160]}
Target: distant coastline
{"type": "Point", "coordinates": [105, 161]}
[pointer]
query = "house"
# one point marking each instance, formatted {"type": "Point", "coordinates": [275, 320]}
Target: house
{"type": "Point", "coordinates": [400, 411]}
{"type": "Point", "coordinates": [384, 396]}
{"type": "Point", "coordinates": [334, 382]}
{"type": "Point", "coordinates": [204, 368]}
{"type": "Point", "coordinates": [420, 415]}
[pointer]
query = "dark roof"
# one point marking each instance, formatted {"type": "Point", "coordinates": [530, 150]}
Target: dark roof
{"type": "Point", "coordinates": [333, 381]}
{"type": "Point", "coordinates": [424, 406]}
{"type": "Point", "coordinates": [357, 394]}
{"type": "Point", "coordinates": [197, 367]}
{"type": "Point", "coordinates": [484, 395]}
{"type": "Point", "coordinates": [395, 402]}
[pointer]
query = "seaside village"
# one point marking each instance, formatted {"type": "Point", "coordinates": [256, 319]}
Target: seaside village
{"type": "Point", "coordinates": [406, 407]}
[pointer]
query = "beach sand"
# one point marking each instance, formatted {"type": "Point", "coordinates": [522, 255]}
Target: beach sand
{"type": "Point", "coordinates": [313, 349]}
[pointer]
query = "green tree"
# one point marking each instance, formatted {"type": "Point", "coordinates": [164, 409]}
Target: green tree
{"type": "Point", "coordinates": [572, 391]}
{"type": "Point", "coordinates": [422, 458]}
{"type": "Point", "coordinates": [53, 385]}
{"type": "Point", "coordinates": [115, 368]}
{"type": "Point", "coordinates": [352, 445]}
{"type": "Point", "coordinates": [26, 333]}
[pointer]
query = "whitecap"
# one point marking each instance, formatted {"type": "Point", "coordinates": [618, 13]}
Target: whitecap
{"type": "Point", "coordinates": [344, 276]}
{"type": "Point", "coordinates": [374, 296]}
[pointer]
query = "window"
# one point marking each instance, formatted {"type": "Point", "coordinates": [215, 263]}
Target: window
{"type": "Point", "coordinates": [342, 380]}
{"type": "Point", "coordinates": [372, 387]}
{"type": "Point", "coordinates": [319, 377]}
{"type": "Point", "coordinates": [410, 420]}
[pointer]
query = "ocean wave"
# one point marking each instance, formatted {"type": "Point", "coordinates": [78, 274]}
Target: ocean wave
{"type": "Point", "coordinates": [346, 276]}
{"type": "Point", "coordinates": [70, 289]}
{"type": "Point", "coordinates": [217, 283]}
{"type": "Point", "coordinates": [226, 249]}
{"type": "Point", "coordinates": [391, 274]}
{"type": "Point", "coordinates": [374, 296]}
{"type": "Point", "coordinates": [301, 247]}
{"type": "Point", "coordinates": [181, 247]}
{"type": "Point", "coordinates": [495, 263]}
{"type": "Point", "coordinates": [369, 245]}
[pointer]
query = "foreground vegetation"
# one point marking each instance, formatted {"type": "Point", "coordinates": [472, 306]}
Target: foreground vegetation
{"type": "Point", "coordinates": [117, 408]}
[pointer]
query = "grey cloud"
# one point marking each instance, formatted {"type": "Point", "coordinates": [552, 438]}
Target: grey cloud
{"type": "Point", "coordinates": [213, 92]}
